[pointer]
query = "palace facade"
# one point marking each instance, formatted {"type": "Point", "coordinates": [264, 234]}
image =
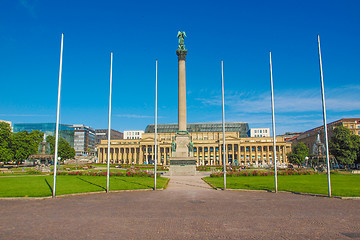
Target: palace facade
{"type": "Point", "coordinates": [309, 137]}
{"type": "Point", "coordinates": [207, 140]}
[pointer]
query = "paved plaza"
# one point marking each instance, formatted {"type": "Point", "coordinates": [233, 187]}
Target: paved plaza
{"type": "Point", "coordinates": [187, 209]}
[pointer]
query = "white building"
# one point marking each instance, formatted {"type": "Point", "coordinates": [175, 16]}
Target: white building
{"type": "Point", "coordinates": [133, 134]}
{"type": "Point", "coordinates": [259, 132]}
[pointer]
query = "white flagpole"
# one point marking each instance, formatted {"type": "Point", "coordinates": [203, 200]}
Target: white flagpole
{"type": "Point", "coordinates": [155, 125]}
{"type": "Point", "coordinates": [57, 117]}
{"type": "Point", "coordinates": [324, 118]}
{"type": "Point", "coordinates": [223, 122]}
{"type": "Point", "coordinates": [273, 124]}
{"type": "Point", "coordinates": [109, 129]}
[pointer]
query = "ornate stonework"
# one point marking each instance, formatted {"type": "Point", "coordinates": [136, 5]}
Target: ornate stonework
{"type": "Point", "coordinates": [181, 54]}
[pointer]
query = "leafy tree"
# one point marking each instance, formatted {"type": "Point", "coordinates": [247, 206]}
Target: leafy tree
{"type": "Point", "coordinates": [356, 141]}
{"type": "Point", "coordinates": [24, 144]}
{"type": "Point", "coordinates": [6, 153]}
{"type": "Point", "coordinates": [342, 146]}
{"type": "Point", "coordinates": [298, 154]}
{"type": "Point", "coordinates": [65, 150]}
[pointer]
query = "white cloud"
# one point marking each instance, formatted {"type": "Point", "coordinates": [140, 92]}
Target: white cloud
{"type": "Point", "coordinates": [341, 99]}
{"type": "Point", "coordinates": [133, 116]}
{"type": "Point", "coordinates": [29, 6]}
{"type": "Point", "coordinates": [295, 110]}
{"type": "Point", "coordinates": [25, 115]}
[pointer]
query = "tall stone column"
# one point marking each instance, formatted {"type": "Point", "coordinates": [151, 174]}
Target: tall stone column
{"type": "Point", "coordinates": [182, 161]}
{"type": "Point", "coordinates": [182, 90]}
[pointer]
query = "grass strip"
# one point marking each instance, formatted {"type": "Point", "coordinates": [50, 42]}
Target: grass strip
{"type": "Point", "coordinates": [343, 185]}
{"type": "Point", "coordinates": [41, 186]}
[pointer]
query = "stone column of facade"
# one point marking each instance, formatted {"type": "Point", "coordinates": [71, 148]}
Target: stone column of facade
{"type": "Point", "coordinates": [100, 154]}
{"type": "Point", "coordinates": [120, 155]}
{"type": "Point", "coordinates": [158, 155]}
{"type": "Point", "coordinates": [141, 156]}
{"type": "Point", "coordinates": [116, 154]}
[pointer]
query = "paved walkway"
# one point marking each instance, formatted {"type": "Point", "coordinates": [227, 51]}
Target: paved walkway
{"type": "Point", "coordinates": [188, 209]}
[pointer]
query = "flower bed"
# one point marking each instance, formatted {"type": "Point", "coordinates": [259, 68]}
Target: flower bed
{"type": "Point", "coordinates": [263, 173]}
{"type": "Point", "coordinates": [100, 173]}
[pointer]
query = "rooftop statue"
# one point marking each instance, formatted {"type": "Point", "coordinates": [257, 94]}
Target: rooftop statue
{"type": "Point", "coordinates": [181, 36]}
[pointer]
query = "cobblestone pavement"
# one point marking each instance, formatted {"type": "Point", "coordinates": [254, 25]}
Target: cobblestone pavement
{"type": "Point", "coordinates": [188, 209]}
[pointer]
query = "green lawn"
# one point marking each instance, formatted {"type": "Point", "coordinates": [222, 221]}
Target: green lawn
{"type": "Point", "coordinates": [41, 186]}
{"type": "Point", "coordinates": [345, 185]}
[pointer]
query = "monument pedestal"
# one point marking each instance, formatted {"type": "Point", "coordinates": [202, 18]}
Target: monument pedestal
{"type": "Point", "coordinates": [182, 162]}
{"type": "Point", "coordinates": [182, 166]}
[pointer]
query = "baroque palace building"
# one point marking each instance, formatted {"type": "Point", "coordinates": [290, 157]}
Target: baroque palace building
{"type": "Point", "coordinates": [207, 141]}
{"type": "Point", "coordinates": [309, 137]}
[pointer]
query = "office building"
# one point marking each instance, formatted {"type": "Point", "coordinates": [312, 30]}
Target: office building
{"type": "Point", "coordinates": [84, 140]}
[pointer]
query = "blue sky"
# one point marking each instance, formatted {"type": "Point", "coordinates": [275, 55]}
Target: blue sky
{"type": "Point", "coordinates": [240, 32]}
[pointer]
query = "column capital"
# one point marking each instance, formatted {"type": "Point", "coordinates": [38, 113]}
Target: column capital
{"type": "Point", "coordinates": [181, 54]}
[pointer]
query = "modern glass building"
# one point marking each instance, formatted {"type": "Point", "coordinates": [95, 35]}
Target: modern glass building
{"type": "Point", "coordinates": [65, 131]}
{"type": "Point", "coordinates": [240, 127]}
